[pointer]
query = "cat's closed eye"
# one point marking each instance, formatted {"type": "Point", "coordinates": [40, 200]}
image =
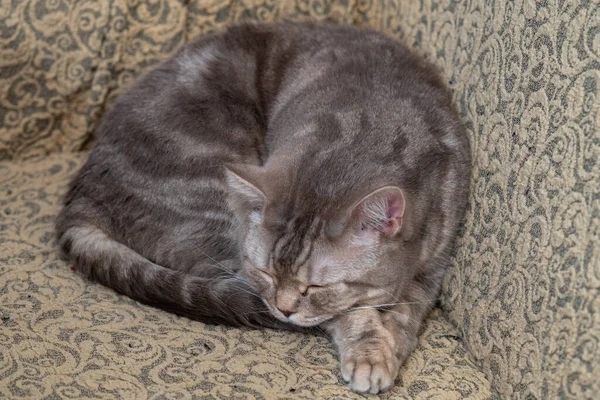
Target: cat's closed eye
{"type": "Point", "coordinates": [306, 290]}
{"type": "Point", "coordinates": [266, 275]}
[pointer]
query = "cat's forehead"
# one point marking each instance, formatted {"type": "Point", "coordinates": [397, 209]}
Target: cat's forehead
{"type": "Point", "coordinates": [295, 242]}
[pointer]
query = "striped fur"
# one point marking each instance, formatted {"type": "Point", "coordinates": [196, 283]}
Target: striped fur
{"type": "Point", "coordinates": [282, 176]}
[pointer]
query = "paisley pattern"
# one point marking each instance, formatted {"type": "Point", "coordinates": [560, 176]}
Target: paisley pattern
{"type": "Point", "coordinates": [62, 336]}
{"type": "Point", "coordinates": [523, 291]}
{"type": "Point", "coordinates": [525, 284]}
{"type": "Point", "coordinates": [63, 61]}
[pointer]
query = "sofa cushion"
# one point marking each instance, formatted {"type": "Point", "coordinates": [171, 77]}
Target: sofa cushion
{"type": "Point", "coordinates": [61, 335]}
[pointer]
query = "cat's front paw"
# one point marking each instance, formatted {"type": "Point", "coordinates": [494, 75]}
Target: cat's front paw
{"type": "Point", "coordinates": [370, 367]}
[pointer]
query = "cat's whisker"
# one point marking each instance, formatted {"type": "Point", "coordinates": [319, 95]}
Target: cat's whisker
{"type": "Point", "coordinates": [397, 312]}
{"type": "Point", "coordinates": [247, 291]}
{"type": "Point", "coordinates": [232, 274]}
{"type": "Point", "coordinates": [387, 292]}
{"type": "Point", "coordinates": [217, 263]}
{"type": "Point", "coordinates": [378, 306]}
{"type": "Point", "coordinates": [323, 331]}
{"type": "Point", "coordinates": [209, 257]}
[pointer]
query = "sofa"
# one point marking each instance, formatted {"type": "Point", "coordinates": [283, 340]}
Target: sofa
{"type": "Point", "coordinates": [519, 312]}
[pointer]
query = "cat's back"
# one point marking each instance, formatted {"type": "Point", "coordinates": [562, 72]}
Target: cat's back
{"type": "Point", "coordinates": [256, 91]}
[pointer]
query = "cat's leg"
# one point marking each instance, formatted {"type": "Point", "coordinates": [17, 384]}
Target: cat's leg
{"type": "Point", "coordinates": [373, 344]}
{"type": "Point", "coordinates": [403, 319]}
{"type": "Point", "coordinates": [368, 351]}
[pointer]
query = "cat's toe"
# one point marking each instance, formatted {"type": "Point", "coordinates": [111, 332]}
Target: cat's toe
{"type": "Point", "coordinates": [385, 379]}
{"type": "Point", "coordinates": [361, 381]}
{"type": "Point", "coordinates": [369, 374]}
{"type": "Point", "coordinates": [347, 370]}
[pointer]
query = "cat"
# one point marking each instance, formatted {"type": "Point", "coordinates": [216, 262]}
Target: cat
{"type": "Point", "coordinates": [280, 175]}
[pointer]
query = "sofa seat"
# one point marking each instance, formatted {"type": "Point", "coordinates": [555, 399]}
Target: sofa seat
{"type": "Point", "coordinates": [63, 336]}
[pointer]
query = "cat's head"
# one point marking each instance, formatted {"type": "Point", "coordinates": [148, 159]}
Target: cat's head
{"type": "Point", "coordinates": [308, 263]}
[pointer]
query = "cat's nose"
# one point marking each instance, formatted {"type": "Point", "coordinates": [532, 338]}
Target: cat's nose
{"type": "Point", "coordinates": [287, 313]}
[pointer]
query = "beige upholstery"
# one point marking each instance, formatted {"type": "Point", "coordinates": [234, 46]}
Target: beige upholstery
{"type": "Point", "coordinates": [520, 309]}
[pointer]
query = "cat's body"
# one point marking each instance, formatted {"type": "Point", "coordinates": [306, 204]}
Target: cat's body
{"type": "Point", "coordinates": [347, 176]}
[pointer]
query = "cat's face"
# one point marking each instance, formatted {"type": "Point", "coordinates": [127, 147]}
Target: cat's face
{"type": "Point", "coordinates": [306, 278]}
{"type": "Point", "coordinates": [305, 273]}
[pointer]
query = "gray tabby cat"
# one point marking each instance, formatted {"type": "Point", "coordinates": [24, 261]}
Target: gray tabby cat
{"type": "Point", "coordinates": [280, 176]}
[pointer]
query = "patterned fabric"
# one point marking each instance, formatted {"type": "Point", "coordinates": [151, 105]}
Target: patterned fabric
{"type": "Point", "coordinates": [61, 336]}
{"type": "Point", "coordinates": [524, 288]}
{"type": "Point", "coordinates": [61, 62]}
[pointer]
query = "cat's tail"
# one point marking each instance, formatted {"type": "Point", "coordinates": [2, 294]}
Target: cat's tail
{"type": "Point", "coordinates": [220, 300]}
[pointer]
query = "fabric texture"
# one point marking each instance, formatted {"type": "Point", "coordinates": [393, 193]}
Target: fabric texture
{"type": "Point", "coordinates": [63, 336]}
{"type": "Point", "coordinates": [524, 290]}
{"type": "Point", "coordinates": [520, 306]}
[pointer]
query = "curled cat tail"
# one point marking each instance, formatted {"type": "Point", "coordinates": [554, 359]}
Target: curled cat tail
{"type": "Point", "coordinates": [219, 300]}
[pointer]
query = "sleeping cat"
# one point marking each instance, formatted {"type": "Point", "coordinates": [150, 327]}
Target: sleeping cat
{"type": "Point", "coordinates": [285, 176]}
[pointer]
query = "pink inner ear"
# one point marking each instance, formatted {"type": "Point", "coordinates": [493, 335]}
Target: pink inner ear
{"type": "Point", "coordinates": [395, 211]}
{"type": "Point", "coordinates": [382, 211]}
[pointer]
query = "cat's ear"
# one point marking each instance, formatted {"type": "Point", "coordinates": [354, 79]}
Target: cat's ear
{"type": "Point", "coordinates": [245, 182]}
{"type": "Point", "coordinates": [381, 211]}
